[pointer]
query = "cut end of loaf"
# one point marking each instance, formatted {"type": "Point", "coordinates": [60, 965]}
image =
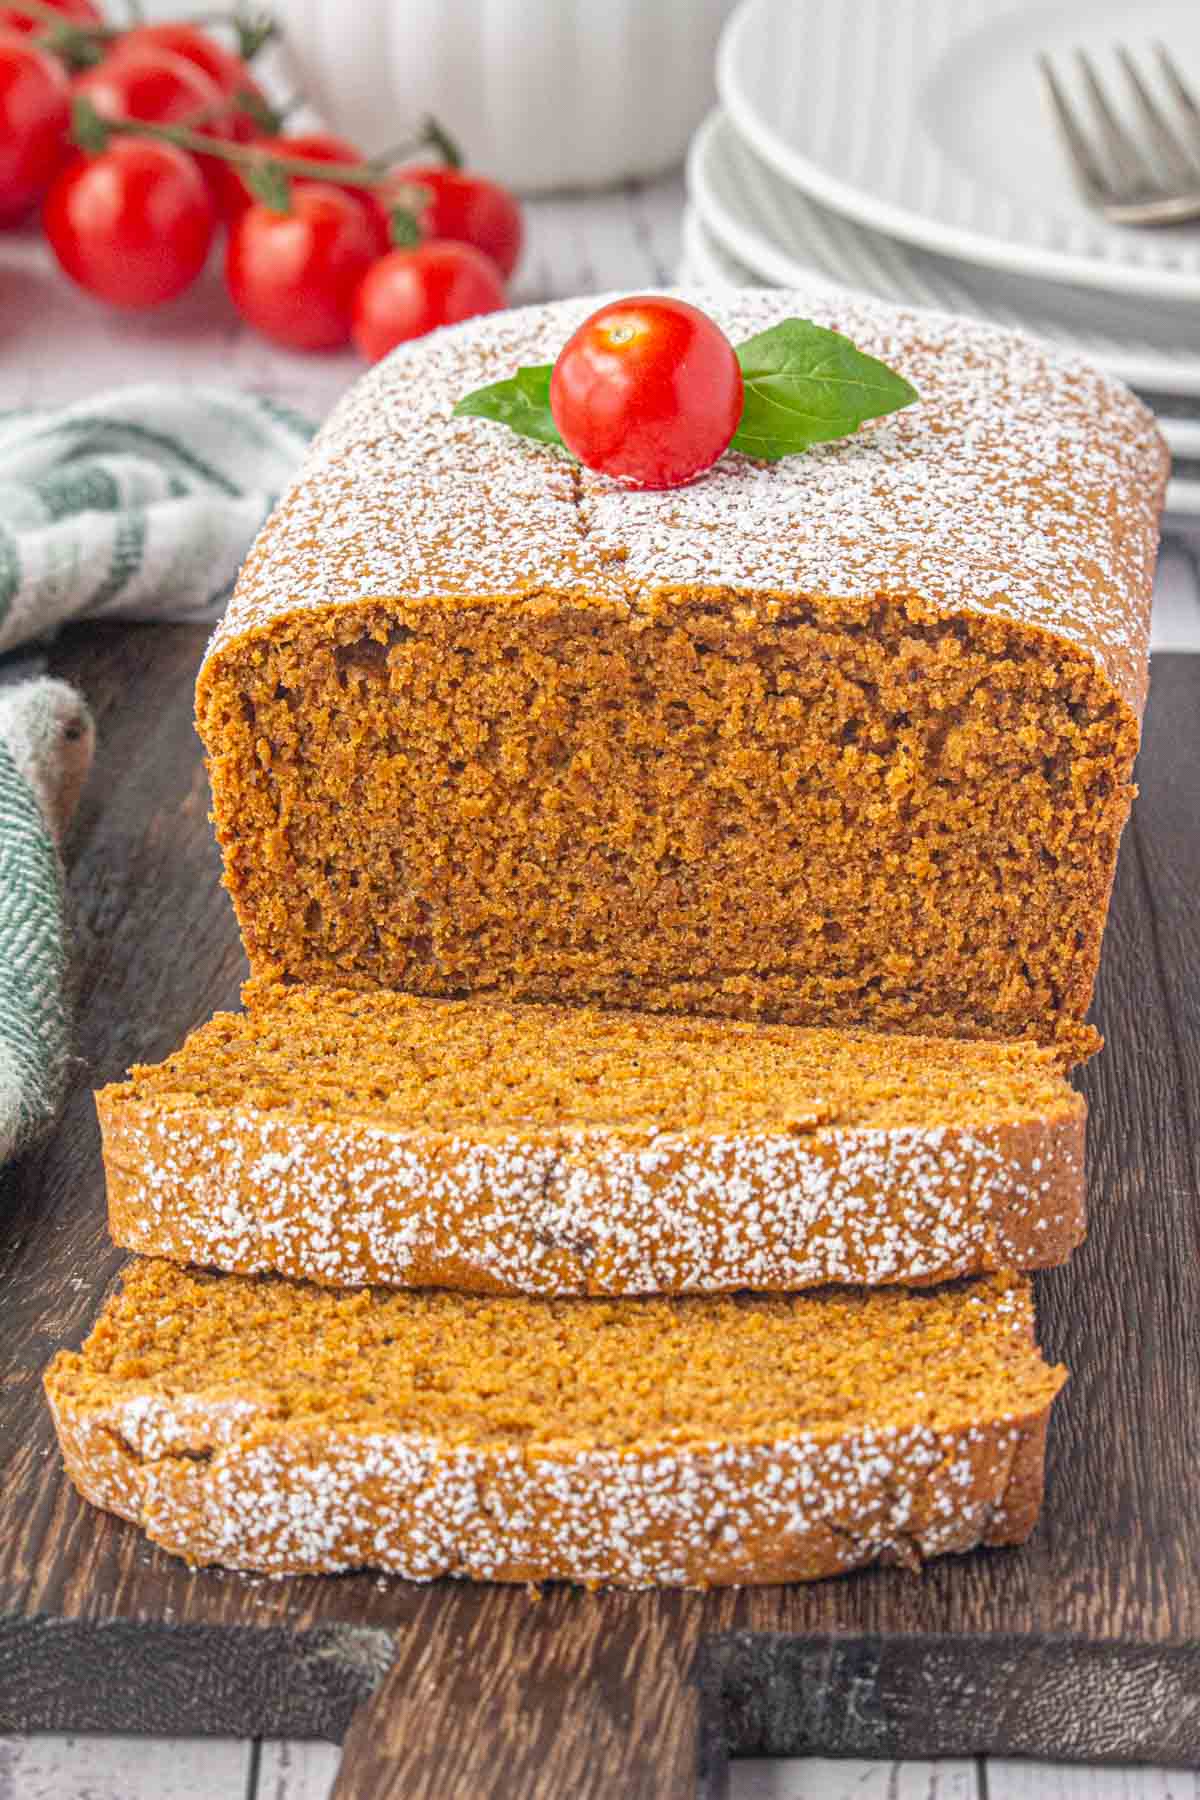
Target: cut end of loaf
{"type": "Point", "coordinates": [282, 1427]}
{"type": "Point", "coordinates": [822, 815]}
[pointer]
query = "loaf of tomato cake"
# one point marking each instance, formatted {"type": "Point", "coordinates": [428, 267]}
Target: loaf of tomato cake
{"type": "Point", "coordinates": [844, 739]}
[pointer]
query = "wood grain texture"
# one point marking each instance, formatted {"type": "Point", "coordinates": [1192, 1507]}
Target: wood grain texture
{"type": "Point", "coordinates": [1101, 1610]}
{"type": "Point", "coordinates": [588, 1702]}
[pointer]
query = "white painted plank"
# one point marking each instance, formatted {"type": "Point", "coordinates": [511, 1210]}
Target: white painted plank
{"type": "Point", "coordinates": [1012, 1780]}
{"type": "Point", "coordinates": [816, 1778]}
{"type": "Point", "coordinates": [821, 1778]}
{"type": "Point", "coordinates": [84, 1767]}
{"type": "Point", "coordinates": [625, 238]}
{"type": "Point", "coordinates": [291, 1770]}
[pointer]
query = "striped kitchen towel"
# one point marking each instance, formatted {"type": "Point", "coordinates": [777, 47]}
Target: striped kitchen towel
{"type": "Point", "coordinates": [138, 504]}
{"type": "Point", "coordinates": [45, 751]}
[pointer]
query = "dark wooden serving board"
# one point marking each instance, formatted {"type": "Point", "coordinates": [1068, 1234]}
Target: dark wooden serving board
{"type": "Point", "coordinates": [1086, 1643]}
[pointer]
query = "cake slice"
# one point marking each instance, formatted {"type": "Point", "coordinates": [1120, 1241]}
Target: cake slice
{"type": "Point", "coordinates": [282, 1427]}
{"type": "Point", "coordinates": [348, 1138]}
{"type": "Point", "coordinates": [844, 739]}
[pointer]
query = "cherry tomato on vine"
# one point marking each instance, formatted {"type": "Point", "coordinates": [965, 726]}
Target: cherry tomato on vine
{"type": "Point", "coordinates": [222, 66]}
{"type": "Point", "coordinates": [648, 390]}
{"type": "Point", "coordinates": [309, 146]}
{"type": "Point", "coordinates": [156, 86]}
{"type": "Point", "coordinates": [410, 292]}
{"type": "Point", "coordinates": [74, 12]}
{"type": "Point", "coordinates": [35, 110]}
{"type": "Point", "coordinates": [470, 209]}
{"type": "Point", "coordinates": [160, 87]}
{"type": "Point", "coordinates": [132, 225]}
{"type": "Point", "coordinates": [293, 275]}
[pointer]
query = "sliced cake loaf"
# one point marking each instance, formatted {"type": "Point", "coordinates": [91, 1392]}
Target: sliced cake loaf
{"type": "Point", "coordinates": [351, 1137]}
{"type": "Point", "coordinates": [277, 1426]}
{"type": "Point", "coordinates": [843, 740]}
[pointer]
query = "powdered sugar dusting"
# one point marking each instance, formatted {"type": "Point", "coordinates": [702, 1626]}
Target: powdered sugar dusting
{"type": "Point", "coordinates": [1025, 486]}
{"type": "Point", "coordinates": [590, 1211]}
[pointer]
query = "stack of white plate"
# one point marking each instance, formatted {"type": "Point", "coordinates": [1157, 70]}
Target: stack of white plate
{"type": "Point", "coordinates": [903, 147]}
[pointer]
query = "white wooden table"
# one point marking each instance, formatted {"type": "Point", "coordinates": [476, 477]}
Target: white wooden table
{"type": "Point", "coordinates": [56, 346]}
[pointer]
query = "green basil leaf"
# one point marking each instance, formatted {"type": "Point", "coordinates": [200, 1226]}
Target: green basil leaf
{"type": "Point", "coordinates": [805, 385]}
{"type": "Point", "coordinates": [522, 402]}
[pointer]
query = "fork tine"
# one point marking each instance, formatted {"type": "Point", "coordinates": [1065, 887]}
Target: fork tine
{"type": "Point", "coordinates": [1176, 162]}
{"type": "Point", "coordinates": [1128, 161]}
{"type": "Point", "coordinates": [1185, 100]}
{"type": "Point", "coordinates": [1085, 165]}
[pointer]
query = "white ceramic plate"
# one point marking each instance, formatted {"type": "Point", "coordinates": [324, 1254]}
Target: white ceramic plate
{"type": "Point", "coordinates": [925, 119]}
{"type": "Point", "coordinates": [787, 238]}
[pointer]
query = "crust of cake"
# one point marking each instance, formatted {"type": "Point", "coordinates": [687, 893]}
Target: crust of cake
{"type": "Point", "coordinates": [797, 1512]}
{"type": "Point", "coordinates": [1025, 487]}
{"type": "Point", "coordinates": [217, 1479]}
{"type": "Point", "coordinates": [590, 1214]}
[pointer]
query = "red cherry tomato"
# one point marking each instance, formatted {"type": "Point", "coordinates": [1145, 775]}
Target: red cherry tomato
{"type": "Point", "coordinates": [75, 12]}
{"type": "Point", "coordinates": [648, 390]}
{"type": "Point", "coordinates": [222, 66]}
{"type": "Point", "coordinates": [410, 292]}
{"type": "Point", "coordinates": [35, 110]}
{"type": "Point", "coordinates": [156, 86]}
{"type": "Point", "coordinates": [132, 225]}
{"type": "Point", "coordinates": [160, 88]}
{"type": "Point", "coordinates": [294, 275]}
{"type": "Point", "coordinates": [470, 209]}
{"type": "Point", "coordinates": [309, 146]}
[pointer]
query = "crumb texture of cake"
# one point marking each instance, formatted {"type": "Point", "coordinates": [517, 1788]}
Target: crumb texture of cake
{"type": "Point", "coordinates": [350, 1137]}
{"type": "Point", "coordinates": [845, 739]}
{"type": "Point", "coordinates": [277, 1426]}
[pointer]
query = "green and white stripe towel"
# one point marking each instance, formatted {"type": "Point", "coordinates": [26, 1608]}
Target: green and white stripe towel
{"type": "Point", "coordinates": [45, 752]}
{"type": "Point", "coordinates": [138, 504]}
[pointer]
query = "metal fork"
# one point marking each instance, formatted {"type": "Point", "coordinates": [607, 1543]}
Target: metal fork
{"type": "Point", "coordinates": [1154, 181]}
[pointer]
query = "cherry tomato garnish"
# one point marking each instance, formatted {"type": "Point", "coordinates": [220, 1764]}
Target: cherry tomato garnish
{"type": "Point", "coordinates": [132, 225]}
{"type": "Point", "coordinates": [35, 110]}
{"type": "Point", "coordinates": [469, 209]}
{"type": "Point", "coordinates": [294, 274]}
{"type": "Point", "coordinates": [648, 390]}
{"type": "Point", "coordinates": [410, 292]}
{"type": "Point", "coordinates": [74, 12]}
